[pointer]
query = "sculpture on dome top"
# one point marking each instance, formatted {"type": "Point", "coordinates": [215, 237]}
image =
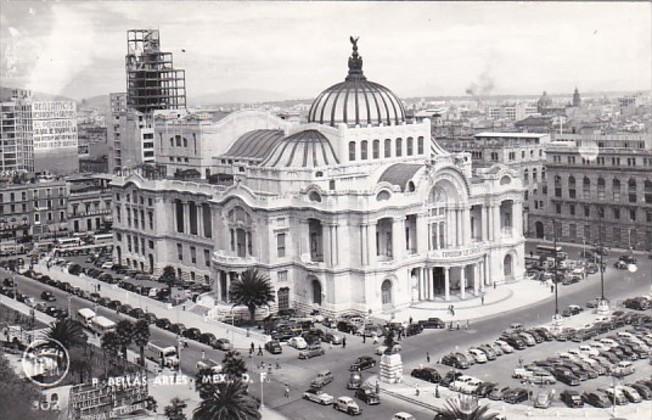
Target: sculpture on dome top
{"type": "Point", "coordinates": [355, 61]}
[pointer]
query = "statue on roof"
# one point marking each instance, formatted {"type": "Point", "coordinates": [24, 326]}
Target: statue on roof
{"type": "Point", "coordinates": [355, 61]}
{"type": "Point", "coordinates": [354, 42]}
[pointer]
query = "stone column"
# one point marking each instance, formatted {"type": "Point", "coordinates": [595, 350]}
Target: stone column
{"type": "Point", "coordinates": [431, 293]}
{"type": "Point", "coordinates": [398, 238]}
{"type": "Point", "coordinates": [483, 223]}
{"type": "Point", "coordinates": [466, 224]}
{"type": "Point", "coordinates": [228, 285]}
{"type": "Point", "coordinates": [483, 277]}
{"type": "Point", "coordinates": [218, 286]}
{"type": "Point", "coordinates": [435, 235]}
{"type": "Point", "coordinates": [447, 283]}
{"type": "Point", "coordinates": [371, 242]}
{"type": "Point", "coordinates": [363, 244]}
{"type": "Point", "coordinates": [422, 231]}
{"type": "Point", "coordinates": [497, 230]}
{"type": "Point", "coordinates": [476, 278]}
{"type": "Point", "coordinates": [462, 282]}
{"type": "Point", "coordinates": [327, 231]}
{"type": "Point", "coordinates": [336, 253]}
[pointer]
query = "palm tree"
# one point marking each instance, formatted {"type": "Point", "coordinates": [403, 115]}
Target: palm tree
{"type": "Point", "coordinates": [68, 332]}
{"type": "Point", "coordinates": [228, 401]}
{"type": "Point", "coordinates": [111, 346]}
{"type": "Point", "coordinates": [174, 411]}
{"type": "Point", "coordinates": [203, 385]}
{"type": "Point", "coordinates": [141, 337]}
{"type": "Point", "coordinates": [253, 289]}
{"type": "Point", "coordinates": [168, 277]}
{"type": "Point", "coordinates": [233, 364]}
{"type": "Point", "coordinates": [464, 408]}
{"type": "Point", "coordinates": [125, 331]}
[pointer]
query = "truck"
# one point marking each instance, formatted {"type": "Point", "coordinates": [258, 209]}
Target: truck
{"type": "Point", "coordinates": [165, 355]}
{"type": "Point", "coordinates": [86, 316]}
{"type": "Point", "coordinates": [102, 325]}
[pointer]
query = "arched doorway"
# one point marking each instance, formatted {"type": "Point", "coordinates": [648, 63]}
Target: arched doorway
{"type": "Point", "coordinates": [283, 295]}
{"type": "Point", "coordinates": [386, 294]}
{"type": "Point", "coordinates": [538, 227]}
{"type": "Point", "coordinates": [316, 292]}
{"type": "Point", "coordinates": [507, 266]}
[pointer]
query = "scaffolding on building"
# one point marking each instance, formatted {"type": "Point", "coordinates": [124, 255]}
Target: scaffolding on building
{"type": "Point", "coordinates": [152, 81]}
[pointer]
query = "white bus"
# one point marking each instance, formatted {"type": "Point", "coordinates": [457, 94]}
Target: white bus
{"type": "Point", "coordinates": [551, 250]}
{"type": "Point", "coordinates": [86, 316]}
{"type": "Point", "coordinates": [103, 238]}
{"type": "Point", "coordinates": [102, 325]}
{"type": "Point", "coordinates": [68, 242]}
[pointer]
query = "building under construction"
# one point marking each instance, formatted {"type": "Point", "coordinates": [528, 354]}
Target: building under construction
{"type": "Point", "coordinates": [152, 81]}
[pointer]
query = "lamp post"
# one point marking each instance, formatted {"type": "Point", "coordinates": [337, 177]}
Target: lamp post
{"type": "Point", "coordinates": [263, 375]}
{"type": "Point", "coordinates": [603, 305]}
{"type": "Point", "coordinates": [556, 318]}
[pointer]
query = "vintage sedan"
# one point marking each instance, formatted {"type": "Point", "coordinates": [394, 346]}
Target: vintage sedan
{"type": "Point", "coordinates": [318, 396]}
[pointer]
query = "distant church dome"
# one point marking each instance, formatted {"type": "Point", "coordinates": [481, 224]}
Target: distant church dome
{"type": "Point", "coordinates": [544, 102]}
{"type": "Point", "coordinates": [305, 149]}
{"type": "Point", "coordinates": [356, 100]}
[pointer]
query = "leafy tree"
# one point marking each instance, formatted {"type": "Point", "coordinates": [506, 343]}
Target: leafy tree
{"type": "Point", "coordinates": [151, 404]}
{"type": "Point", "coordinates": [80, 365]}
{"type": "Point", "coordinates": [464, 408]}
{"type": "Point", "coordinates": [228, 401]}
{"type": "Point", "coordinates": [204, 387]}
{"type": "Point", "coordinates": [68, 332]}
{"type": "Point", "coordinates": [74, 269]}
{"type": "Point", "coordinates": [111, 346]}
{"type": "Point", "coordinates": [169, 276]}
{"type": "Point", "coordinates": [233, 364]}
{"type": "Point", "coordinates": [174, 411]}
{"type": "Point", "coordinates": [124, 331]}
{"type": "Point", "coordinates": [253, 289]}
{"type": "Point", "coordinates": [16, 395]}
{"type": "Point", "coordinates": [141, 337]}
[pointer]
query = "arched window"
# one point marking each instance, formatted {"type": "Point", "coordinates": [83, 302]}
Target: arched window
{"type": "Point", "coordinates": [411, 186]}
{"type": "Point", "coordinates": [316, 292]}
{"type": "Point", "coordinates": [571, 187]}
{"type": "Point", "coordinates": [420, 145]}
{"type": "Point", "coordinates": [375, 149]}
{"type": "Point", "coordinates": [534, 174]}
{"type": "Point", "coordinates": [240, 229]}
{"type": "Point", "coordinates": [383, 195]}
{"type": "Point", "coordinates": [399, 147]}
{"type": "Point", "coordinates": [648, 192]}
{"type": "Point", "coordinates": [410, 146]}
{"type": "Point", "coordinates": [363, 150]}
{"type": "Point", "coordinates": [314, 196]}
{"type": "Point", "coordinates": [631, 188]}
{"type": "Point", "coordinates": [507, 266]}
{"type": "Point", "coordinates": [586, 188]}
{"type": "Point", "coordinates": [601, 188]}
{"type": "Point", "coordinates": [388, 148]}
{"type": "Point", "coordinates": [615, 188]}
{"type": "Point", "coordinates": [386, 292]}
{"type": "Point", "coordinates": [351, 151]}
{"type": "Point", "coordinates": [526, 176]}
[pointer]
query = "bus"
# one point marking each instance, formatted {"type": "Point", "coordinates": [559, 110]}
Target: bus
{"type": "Point", "coordinates": [102, 325]}
{"type": "Point", "coordinates": [103, 238]}
{"type": "Point", "coordinates": [67, 242]}
{"type": "Point", "coordinates": [551, 251]}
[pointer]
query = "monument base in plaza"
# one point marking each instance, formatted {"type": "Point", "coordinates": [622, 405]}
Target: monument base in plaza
{"type": "Point", "coordinates": [391, 368]}
{"type": "Point", "coordinates": [603, 307]}
{"type": "Point", "coordinates": [557, 323]}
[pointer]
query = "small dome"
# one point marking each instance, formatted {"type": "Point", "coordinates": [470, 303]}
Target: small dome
{"type": "Point", "coordinates": [254, 145]}
{"type": "Point", "coordinates": [305, 149]}
{"type": "Point", "coordinates": [356, 100]}
{"type": "Point", "coordinates": [399, 174]}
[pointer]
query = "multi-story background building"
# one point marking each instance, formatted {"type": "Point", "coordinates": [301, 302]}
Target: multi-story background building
{"type": "Point", "coordinates": [89, 204]}
{"type": "Point", "coordinates": [55, 136]}
{"type": "Point", "coordinates": [16, 138]}
{"type": "Point", "coordinates": [598, 189]}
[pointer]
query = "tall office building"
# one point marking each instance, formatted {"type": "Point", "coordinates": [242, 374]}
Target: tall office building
{"type": "Point", "coordinates": [152, 84]}
{"type": "Point", "coordinates": [16, 144]}
{"type": "Point", "coordinates": [55, 136]}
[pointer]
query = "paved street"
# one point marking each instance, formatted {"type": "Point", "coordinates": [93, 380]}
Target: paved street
{"type": "Point", "coordinates": [298, 374]}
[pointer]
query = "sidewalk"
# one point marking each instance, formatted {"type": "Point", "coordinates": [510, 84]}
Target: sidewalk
{"type": "Point", "coordinates": [239, 337]}
{"type": "Point", "coordinates": [503, 298]}
{"type": "Point", "coordinates": [406, 391]}
{"type": "Point", "coordinates": [532, 242]}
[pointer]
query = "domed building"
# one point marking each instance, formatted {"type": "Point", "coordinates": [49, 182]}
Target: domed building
{"type": "Point", "coordinates": [357, 210]}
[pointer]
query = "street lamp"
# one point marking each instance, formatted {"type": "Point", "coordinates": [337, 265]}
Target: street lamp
{"type": "Point", "coordinates": [556, 318]}
{"type": "Point", "coordinates": [603, 305]}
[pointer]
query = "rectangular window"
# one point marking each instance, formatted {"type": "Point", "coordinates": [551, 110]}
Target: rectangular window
{"type": "Point", "coordinates": [193, 254]}
{"type": "Point", "coordinates": [150, 219]}
{"type": "Point", "coordinates": [601, 212]}
{"type": "Point", "coordinates": [282, 276]}
{"type": "Point", "coordinates": [180, 252]}
{"type": "Point", "coordinates": [572, 209]}
{"type": "Point", "coordinates": [232, 236]}
{"type": "Point", "coordinates": [616, 213]}
{"type": "Point", "coordinates": [572, 230]}
{"type": "Point", "coordinates": [150, 244]}
{"type": "Point", "coordinates": [207, 258]}
{"type": "Point", "coordinates": [280, 245]}
{"type": "Point", "coordinates": [632, 215]}
{"type": "Point", "coordinates": [587, 211]}
{"type": "Point", "coordinates": [558, 208]}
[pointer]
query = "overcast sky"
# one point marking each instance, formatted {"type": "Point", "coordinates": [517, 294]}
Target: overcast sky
{"type": "Point", "coordinates": [416, 49]}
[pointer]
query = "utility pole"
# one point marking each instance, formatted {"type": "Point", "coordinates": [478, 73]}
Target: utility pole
{"type": "Point", "coordinates": [556, 318]}
{"type": "Point", "coordinates": [603, 305]}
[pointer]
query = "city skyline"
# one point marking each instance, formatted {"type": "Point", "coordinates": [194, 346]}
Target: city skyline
{"type": "Point", "coordinates": [271, 47]}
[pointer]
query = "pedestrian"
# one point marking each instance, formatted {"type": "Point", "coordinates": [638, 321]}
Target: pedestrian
{"type": "Point", "coordinates": [531, 254]}
{"type": "Point", "coordinates": [377, 388]}
{"type": "Point", "coordinates": [417, 390]}
{"type": "Point", "coordinates": [552, 288]}
{"type": "Point", "coordinates": [260, 350]}
{"type": "Point", "coordinates": [520, 362]}
{"type": "Point", "coordinates": [458, 325]}
{"type": "Point", "coordinates": [482, 299]}
{"type": "Point", "coordinates": [252, 347]}
{"type": "Point", "coordinates": [287, 391]}
{"type": "Point", "coordinates": [364, 338]}
{"type": "Point", "coordinates": [410, 320]}
{"type": "Point", "coordinates": [428, 357]}
{"type": "Point", "coordinates": [452, 310]}
{"type": "Point", "coordinates": [437, 391]}
{"type": "Point", "coordinates": [494, 285]}
{"type": "Point", "coordinates": [330, 344]}
{"type": "Point", "coordinates": [344, 342]}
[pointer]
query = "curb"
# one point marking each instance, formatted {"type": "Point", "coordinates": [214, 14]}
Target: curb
{"type": "Point", "coordinates": [409, 399]}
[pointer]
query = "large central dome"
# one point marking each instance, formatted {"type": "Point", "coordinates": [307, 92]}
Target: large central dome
{"type": "Point", "coordinates": [356, 100]}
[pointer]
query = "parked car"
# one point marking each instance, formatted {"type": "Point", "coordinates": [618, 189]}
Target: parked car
{"type": "Point", "coordinates": [347, 327]}
{"type": "Point", "coordinates": [347, 405]}
{"type": "Point", "coordinates": [498, 393]}
{"type": "Point", "coordinates": [223, 344]}
{"type": "Point", "coordinates": [516, 396]}
{"type": "Point", "coordinates": [334, 339]}
{"type": "Point", "coordinates": [311, 351]}
{"type": "Point", "coordinates": [596, 399]}
{"type": "Point", "coordinates": [368, 396]}
{"type": "Point", "coordinates": [413, 329]}
{"type": "Point", "coordinates": [478, 355]}
{"type": "Point", "coordinates": [631, 394]}
{"type": "Point", "coordinates": [455, 360]}
{"type": "Point", "coordinates": [48, 296]}
{"type": "Point", "coordinates": [427, 374]}
{"type": "Point", "coordinates": [318, 396]}
{"type": "Point", "coordinates": [362, 363]}
{"type": "Point", "coordinates": [207, 338]}
{"type": "Point", "coordinates": [322, 379]}
{"type": "Point", "coordinates": [571, 398]}
{"type": "Point", "coordinates": [274, 347]}
{"type": "Point", "coordinates": [432, 323]}
{"type": "Point", "coordinates": [450, 377]}
{"type": "Point", "coordinates": [504, 346]}
{"type": "Point", "coordinates": [192, 333]}
{"type": "Point", "coordinates": [543, 399]}
{"type": "Point", "coordinates": [298, 343]}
